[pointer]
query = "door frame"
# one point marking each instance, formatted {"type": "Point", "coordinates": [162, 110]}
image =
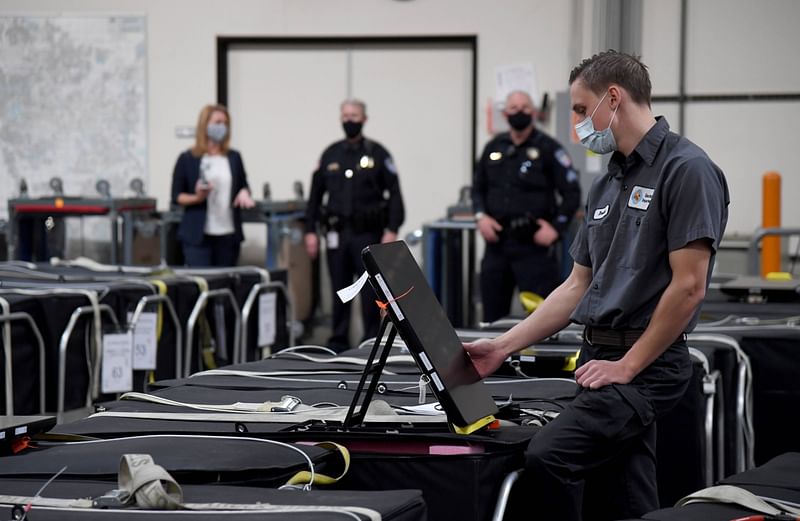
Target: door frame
{"type": "Point", "coordinates": [470, 42]}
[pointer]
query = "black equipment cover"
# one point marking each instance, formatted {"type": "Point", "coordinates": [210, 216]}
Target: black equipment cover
{"type": "Point", "coordinates": [393, 505]}
{"type": "Point", "coordinates": [423, 325]}
{"type": "Point", "coordinates": [775, 479]}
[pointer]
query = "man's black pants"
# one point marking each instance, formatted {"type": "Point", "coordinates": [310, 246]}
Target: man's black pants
{"type": "Point", "coordinates": [597, 460]}
{"type": "Point", "coordinates": [344, 265]}
{"type": "Point", "coordinates": [509, 263]}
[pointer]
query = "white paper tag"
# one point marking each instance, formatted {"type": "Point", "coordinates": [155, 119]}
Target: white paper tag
{"type": "Point", "coordinates": [332, 240]}
{"type": "Point", "coordinates": [349, 293]}
{"type": "Point", "coordinates": [144, 340]}
{"type": "Point", "coordinates": [389, 296]}
{"type": "Point", "coordinates": [117, 374]}
{"type": "Point", "coordinates": [267, 303]}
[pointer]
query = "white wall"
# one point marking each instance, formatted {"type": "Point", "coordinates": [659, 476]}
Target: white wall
{"type": "Point", "coordinates": [734, 46]}
{"type": "Point", "coordinates": [182, 50]}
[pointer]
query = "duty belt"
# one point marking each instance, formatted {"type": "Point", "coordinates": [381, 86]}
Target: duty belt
{"type": "Point", "coordinates": [373, 220]}
{"type": "Point", "coordinates": [520, 228]}
{"type": "Point", "coordinates": [617, 337]}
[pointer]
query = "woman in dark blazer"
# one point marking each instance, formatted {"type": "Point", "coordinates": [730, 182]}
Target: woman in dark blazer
{"type": "Point", "coordinates": [210, 183]}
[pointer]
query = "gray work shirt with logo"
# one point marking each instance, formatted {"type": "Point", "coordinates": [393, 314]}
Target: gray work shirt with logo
{"type": "Point", "coordinates": [666, 194]}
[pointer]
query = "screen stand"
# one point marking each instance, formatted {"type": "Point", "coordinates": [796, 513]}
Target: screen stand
{"type": "Point", "coordinates": [372, 370]}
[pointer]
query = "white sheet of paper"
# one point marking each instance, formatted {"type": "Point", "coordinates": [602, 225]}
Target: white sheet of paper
{"type": "Point", "coordinates": [267, 303]}
{"type": "Point", "coordinates": [520, 76]}
{"type": "Point", "coordinates": [116, 369]}
{"type": "Point", "coordinates": [349, 293]}
{"type": "Point", "coordinates": [332, 240]}
{"type": "Point", "coordinates": [144, 340]}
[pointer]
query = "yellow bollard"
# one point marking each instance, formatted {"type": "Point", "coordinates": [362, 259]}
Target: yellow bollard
{"type": "Point", "coordinates": [771, 218]}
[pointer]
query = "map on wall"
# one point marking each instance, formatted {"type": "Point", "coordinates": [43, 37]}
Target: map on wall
{"type": "Point", "coordinates": [72, 103]}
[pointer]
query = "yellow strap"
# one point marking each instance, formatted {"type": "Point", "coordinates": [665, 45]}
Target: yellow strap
{"type": "Point", "coordinates": [474, 426]}
{"type": "Point", "coordinates": [571, 362]}
{"type": "Point", "coordinates": [304, 477]}
{"type": "Point", "coordinates": [201, 283]}
{"type": "Point", "coordinates": [162, 290]}
{"type": "Point", "coordinates": [530, 301]}
{"type": "Point", "coordinates": [208, 347]}
{"type": "Point", "coordinates": [778, 275]}
{"type": "Point", "coordinates": [205, 329]}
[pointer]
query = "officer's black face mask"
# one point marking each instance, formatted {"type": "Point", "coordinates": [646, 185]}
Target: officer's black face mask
{"type": "Point", "coordinates": [352, 128]}
{"type": "Point", "coordinates": [519, 120]}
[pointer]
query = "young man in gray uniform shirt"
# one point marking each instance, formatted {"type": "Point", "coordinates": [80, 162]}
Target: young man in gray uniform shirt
{"type": "Point", "coordinates": [642, 261]}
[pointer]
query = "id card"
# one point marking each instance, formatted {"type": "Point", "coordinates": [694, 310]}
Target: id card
{"type": "Point", "coordinates": [332, 240]}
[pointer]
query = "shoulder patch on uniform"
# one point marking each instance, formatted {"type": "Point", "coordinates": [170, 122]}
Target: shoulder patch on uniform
{"type": "Point", "coordinates": [495, 156]}
{"type": "Point", "coordinates": [332, 167]}
{"type": "Point", "coordinates": [641, 197]}
{"type": "Point", "coordinates": [563, 158]}
{"type": "Point", "coordinates": [572, 176]}
{"type": "Point", "coordinates": [389, 164]}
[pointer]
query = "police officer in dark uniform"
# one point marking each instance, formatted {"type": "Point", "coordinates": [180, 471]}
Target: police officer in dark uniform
{"type": "Point", "coordinates": [364, 206]}
{"type": "Point", "coordinates": [516, 209]}
{"type": "Point", "coordinates": [642, 262]}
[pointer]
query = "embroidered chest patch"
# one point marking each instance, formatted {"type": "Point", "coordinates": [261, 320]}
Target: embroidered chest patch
{"type": "Point", "coordinates": [640, 197]}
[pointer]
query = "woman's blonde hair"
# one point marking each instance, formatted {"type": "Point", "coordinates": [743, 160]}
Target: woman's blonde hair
{"type": "Point", "coordinates": [201, 139]}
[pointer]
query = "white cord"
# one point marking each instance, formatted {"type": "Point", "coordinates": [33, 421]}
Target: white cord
{"type": "Point", "coordinates": [208, 437]}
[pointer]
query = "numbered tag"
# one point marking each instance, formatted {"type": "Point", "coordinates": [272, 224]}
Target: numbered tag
{"type": "Point", "coordinates": [144, 341]}
{"type": "Point", "coordinates": [332, 240]}
{"type": "Point", "coordinates": [116, 370]}
{"type": "Point", "coordinates": [266, 318]}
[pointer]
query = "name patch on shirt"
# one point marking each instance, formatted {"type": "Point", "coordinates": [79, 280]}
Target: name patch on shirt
{"type": "Point", "coordinates": [600, 213]}
{"type": "Point", "coordinates": [640, 197]}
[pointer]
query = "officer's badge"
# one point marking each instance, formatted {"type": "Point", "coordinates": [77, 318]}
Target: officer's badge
{"type": "Point", "coordinates": [533, 153]}
{"type": "Point", "coordinates": [496, 156]}
{"type": "Point", "coordinates": [333, 167]}
{"type": "Point", "coordinates": [366, 162]}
